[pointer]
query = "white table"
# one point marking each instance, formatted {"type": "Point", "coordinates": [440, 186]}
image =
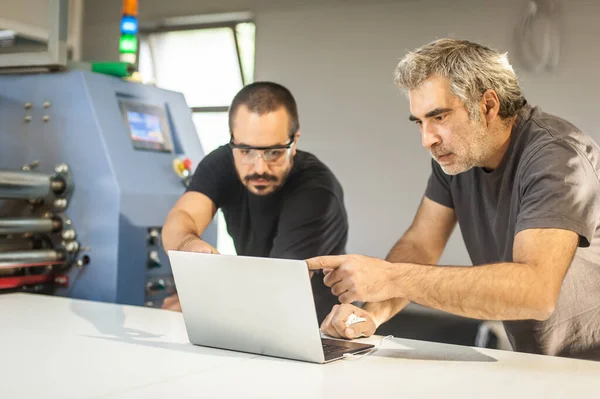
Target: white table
{"type": "Point", "coordinates": [61, 348]}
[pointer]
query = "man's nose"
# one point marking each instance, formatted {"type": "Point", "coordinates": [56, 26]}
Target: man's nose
{"type": "Point", "coordinates": [429, 137]}
{"type": "Point", "coordinates": [260, 166]}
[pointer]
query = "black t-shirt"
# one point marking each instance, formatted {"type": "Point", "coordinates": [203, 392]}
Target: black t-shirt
{"type": "Point", "coordinates": [306, 217]}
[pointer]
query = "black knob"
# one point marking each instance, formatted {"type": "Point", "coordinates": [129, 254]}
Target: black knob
{"type": "Point", "coordinates": [153, 260]}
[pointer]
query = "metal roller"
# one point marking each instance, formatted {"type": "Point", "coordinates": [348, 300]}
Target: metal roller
{"type": "Point", "coordinates": [38, 257]}
{"type": "Point", "coordinates": [29, 225]}
{"type": "Point", "coordinates": [28, 185]}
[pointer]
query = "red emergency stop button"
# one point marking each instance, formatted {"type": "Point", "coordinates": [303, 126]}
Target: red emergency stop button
{"type": "Point", "coordinates": [187, 163]}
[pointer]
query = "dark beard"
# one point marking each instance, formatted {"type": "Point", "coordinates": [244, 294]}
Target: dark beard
{"type": "Point", "coordinates": [268, 177]}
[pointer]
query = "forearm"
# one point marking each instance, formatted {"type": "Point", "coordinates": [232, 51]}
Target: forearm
{"type": "Point", "coordinates": [408, 250]}
{"type": "Point", "coordinates": [503, 291]}
{"type": "Point", "coordinates": [179, 229]}
{"type": "Point", "coordinates": [405, 250]}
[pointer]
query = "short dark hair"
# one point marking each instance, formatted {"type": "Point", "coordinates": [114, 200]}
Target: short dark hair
{"type": "Point", "coordinates": [264, 97]}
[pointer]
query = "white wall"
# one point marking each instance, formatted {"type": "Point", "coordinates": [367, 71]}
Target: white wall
{"type": "Point", "coordinates": [338, 58]}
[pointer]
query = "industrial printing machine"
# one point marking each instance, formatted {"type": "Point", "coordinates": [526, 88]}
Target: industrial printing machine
{"type": "Point", "coordinates": [86, 182]}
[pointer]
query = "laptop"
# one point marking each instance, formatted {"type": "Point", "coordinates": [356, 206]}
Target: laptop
{"type": "Point", "coordinates": [255, 305]}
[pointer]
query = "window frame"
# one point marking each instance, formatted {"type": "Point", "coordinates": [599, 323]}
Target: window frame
{"type": "Point", "coordinates": [145, 32]}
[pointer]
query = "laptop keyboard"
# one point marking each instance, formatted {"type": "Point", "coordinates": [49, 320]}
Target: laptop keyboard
{"type": "Point", "coordinates": [328, 349]}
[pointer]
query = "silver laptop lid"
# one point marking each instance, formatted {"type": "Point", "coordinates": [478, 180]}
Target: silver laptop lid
{"type": "Point", "coordinates": [248, 304]}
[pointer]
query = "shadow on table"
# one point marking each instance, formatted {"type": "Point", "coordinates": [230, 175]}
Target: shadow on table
{"type": "Point", "coordinates": [110, 320]}
{"type": "Point", "coordinates": [436, 352]}
{"type": "Point", "coordinates": [175, 346]}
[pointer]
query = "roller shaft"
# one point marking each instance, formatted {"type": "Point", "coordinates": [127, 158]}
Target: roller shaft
{"type": "Point", "coordinates": [16, 184]}
{"type": "Point", "coordinates": [38, 257]}
{"type": "Point", "coordinates": [28, 225]}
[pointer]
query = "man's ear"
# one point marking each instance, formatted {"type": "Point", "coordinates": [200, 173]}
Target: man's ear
{"type": "Point", "coordinates": [490, 105]}
{"type": "Point", "coordinates": [296, 138]}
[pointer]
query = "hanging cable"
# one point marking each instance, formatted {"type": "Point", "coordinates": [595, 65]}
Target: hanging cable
{"type": "Point", "coordinates": [545, 55]}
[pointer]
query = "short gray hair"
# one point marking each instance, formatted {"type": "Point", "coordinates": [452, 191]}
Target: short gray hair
{"type": "Point", "coordinates": [471, 69]}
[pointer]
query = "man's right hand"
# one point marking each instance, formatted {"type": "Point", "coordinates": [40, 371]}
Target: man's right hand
{"type": "Point", "coordinates": [198, 245]}
{"type": "Point", "coordinates": [334, 324]}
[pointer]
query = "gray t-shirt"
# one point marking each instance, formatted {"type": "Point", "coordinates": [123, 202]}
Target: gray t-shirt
{"type": "Point", "coordinates": [547, 179]}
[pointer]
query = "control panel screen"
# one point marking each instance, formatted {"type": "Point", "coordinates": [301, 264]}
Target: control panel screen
{"type": "Point", "coordinates": [145, 127]}
{"type": "Point", "coordinates": [148, 127]}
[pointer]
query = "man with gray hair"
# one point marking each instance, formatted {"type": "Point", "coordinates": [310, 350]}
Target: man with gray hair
{"type": "Point", "coordinates": [524, 188]}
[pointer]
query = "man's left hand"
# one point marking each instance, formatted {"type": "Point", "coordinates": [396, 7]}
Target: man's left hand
{"type": "Point", "coordinates": [355, 277]}
{"type": "Point", "coordinates": [172, 303]}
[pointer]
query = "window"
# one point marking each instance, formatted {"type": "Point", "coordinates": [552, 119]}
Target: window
{"type": "Point", "coordinates": [209, 64]}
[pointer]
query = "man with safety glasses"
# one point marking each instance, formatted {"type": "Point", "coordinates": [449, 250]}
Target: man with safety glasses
{"type": "Point", "coordinates": [277, 201]}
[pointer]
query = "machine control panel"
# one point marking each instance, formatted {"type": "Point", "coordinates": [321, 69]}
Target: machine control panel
{"type": "Point", "coordinates": [159, 280]}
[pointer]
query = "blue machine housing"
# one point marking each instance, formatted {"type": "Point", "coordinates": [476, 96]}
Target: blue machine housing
{"type": "Point", "coordinates": [120, 192]}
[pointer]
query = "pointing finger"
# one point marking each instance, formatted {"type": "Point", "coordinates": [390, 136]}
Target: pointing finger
{"type": "Point", "coordinates": [325, 262]}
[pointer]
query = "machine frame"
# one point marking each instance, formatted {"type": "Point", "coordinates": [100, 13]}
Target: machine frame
{"type": "Point", "coordinates": [55, 57]}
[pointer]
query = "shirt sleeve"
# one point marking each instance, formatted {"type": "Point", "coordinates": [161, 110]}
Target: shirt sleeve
{"type": "Point", "coordinates": [213, 175]}
{"type": "Point", "coordinates": [312, 223]}
{"type": "Point", "coordinates": [438, 186]}
{"type": "Point", "coordinates": [559, 189]}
